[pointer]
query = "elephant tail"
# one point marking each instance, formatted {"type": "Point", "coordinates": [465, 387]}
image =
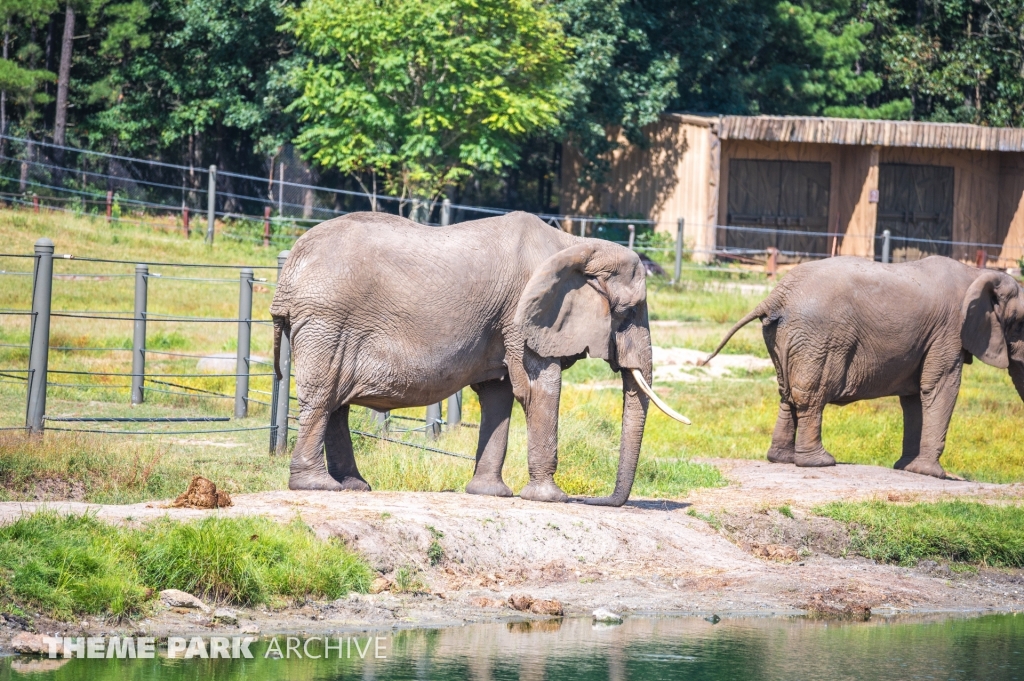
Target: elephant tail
{"type": "Point", "coordinates": [280, 325]}
{"type": "Point", "coordinates": [761, 310]}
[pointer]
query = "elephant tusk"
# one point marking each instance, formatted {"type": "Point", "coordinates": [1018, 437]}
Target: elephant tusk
{"type": "Point", "coordinates": [657, 400]}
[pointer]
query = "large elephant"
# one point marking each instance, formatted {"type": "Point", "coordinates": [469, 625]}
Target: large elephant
{"type": "Point", "coordinates": [848, 329]}
{"type": "Point", "coordinates": [386, 313]}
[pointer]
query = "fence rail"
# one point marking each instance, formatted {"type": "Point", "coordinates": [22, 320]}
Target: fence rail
{"type": "Point", "coordinates": [37, 377]}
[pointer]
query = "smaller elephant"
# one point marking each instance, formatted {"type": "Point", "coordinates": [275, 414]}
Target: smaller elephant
{"type": "Point", "coordinates": [848, 329]}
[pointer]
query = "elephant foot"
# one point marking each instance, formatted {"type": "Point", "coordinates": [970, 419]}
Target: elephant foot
{"type": "Point", "coordinates": [543, 490]}
{"type": "Point", "coordinates": [903, 462]}
{"type": "Point", "coordinates": [920, 467]}
{"type": "Point", "coordinates": [782, 454]}
{"type": "Point", "coordinates": [354, 483]}
{"type": "Point", "coordinates": [818, 458]}
{"type": "Point", "coordinates": [488, 486]}
{"type": "Point", "coordinates": [299, 480]}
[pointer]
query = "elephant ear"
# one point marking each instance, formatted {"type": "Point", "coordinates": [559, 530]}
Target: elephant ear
{"type": "Point", "coordinates": [983, 310]}
{"type": "Point", "coordinates": [569, 304]}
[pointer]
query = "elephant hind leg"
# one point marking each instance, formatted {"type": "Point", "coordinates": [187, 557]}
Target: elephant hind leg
{"type": "Point", "coordinates": [911, 405]}
{"type": "Point", "coordinates": [341, 461]}
{"type": "Point", "coordinates": [495, 412]}
{"type": "Point", "coordinates": [810, 452]}
{"type": "Point", "coordinates": [308, 470]}
{"type": "Point", "coordinates": [783, 447]}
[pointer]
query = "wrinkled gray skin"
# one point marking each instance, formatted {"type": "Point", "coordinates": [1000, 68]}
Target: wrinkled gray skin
{"type": "Point", "coordinates": [385, 313]}
{"type": "Point", "coordinates": [848, 329]}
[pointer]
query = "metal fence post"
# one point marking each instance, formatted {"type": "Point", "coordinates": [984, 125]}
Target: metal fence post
{"type": "Point", "coordinates": [632, 235]}
{"type": "Point", "coordinates": [211, 205]}
{"type": "Point", "coordinates": [39, 345]}
{"type": "Point", "coordinates": [455, 410]}
{"type": "Point", "coordinates": [679, 250]}
{"type": "Point", "coordinates": [279, 419]}
{"type": "Point", "coordinates": [139, 334]}
{"type": "Point", "coordinates": [434, 420]}
{"type": "Point", "coordinates": [446, 212]}
{"type": "Point", "coordinates": [244, 338]}
{"type": "Point", "coordinates": [266, 225]}
{"type": "Point", "coordinates": [886, 245]}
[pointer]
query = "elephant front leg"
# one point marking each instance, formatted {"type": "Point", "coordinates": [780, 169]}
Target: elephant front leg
{"type": "Point", "coordinates": [495, 412]}
{"type": "Point", "coordinates": [911, 405]}
{"type": "Point", "coordinates": [540, 402]}
{"type": "Point", "coordinates": [783, 447]}
{"type": "Point", "coordinates": [937, 404]}
{"type": "Point", "coordinates": [810, 452]}
{"type": "Point", "coordinates": [308, 470]}
{"type": "Point", "coordinates": [341, 460]}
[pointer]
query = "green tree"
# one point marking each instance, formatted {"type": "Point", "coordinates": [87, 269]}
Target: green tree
{"type": "Point", "coordinates": [423, 92]}
{"type": "Point", "coordinates": [20, 83]}
{"type": "Point", "coordinates": [957, 60]}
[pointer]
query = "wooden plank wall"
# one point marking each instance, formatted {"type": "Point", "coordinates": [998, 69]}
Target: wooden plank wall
{"type": "Point", "coordinates": [975, 191]}
{"type": "Point", "coordinates": [666, 180]}
{"type": "Point", "coordinates": [1010, 225]}
{"type": "Point", "coordinates": [849, 215]}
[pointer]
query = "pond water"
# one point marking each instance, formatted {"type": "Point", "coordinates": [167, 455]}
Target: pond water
{"type": "Point", "coordinates": [648, 649]}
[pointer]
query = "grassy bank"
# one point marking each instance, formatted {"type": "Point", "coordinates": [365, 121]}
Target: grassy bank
{"type": "Point", "coordinates": [956, 531]}
{"type": "Point", "coordinates": [65, 566]}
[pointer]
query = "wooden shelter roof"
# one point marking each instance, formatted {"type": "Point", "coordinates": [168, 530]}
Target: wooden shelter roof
{"type": "Point", "coordinates": [867, 132]}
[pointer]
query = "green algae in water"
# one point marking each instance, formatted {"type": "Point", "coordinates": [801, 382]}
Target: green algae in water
{"type": "Point", "coordinates": [647, 649]}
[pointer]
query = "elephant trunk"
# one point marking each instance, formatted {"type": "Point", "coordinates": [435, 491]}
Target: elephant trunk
{"type": "Point", "coordinates": [633, 354]}
{"type": "Point", "coordinates": [634, 416]}
{"type": "Point", "coordinates": [1017, 376]}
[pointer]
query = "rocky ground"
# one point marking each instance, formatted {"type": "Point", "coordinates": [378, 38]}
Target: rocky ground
{"type": "Point", "coordinates": [648, 556]}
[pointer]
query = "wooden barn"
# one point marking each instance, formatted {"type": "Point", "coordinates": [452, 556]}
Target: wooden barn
{"type": "Point", "coordinates": [813, 186]}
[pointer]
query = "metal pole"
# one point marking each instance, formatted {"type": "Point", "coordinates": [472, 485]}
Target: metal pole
{"type": "Point", "coordinates": [886, 238]}
{"type": "Point", "coordinates": [454, 401]}
{"type": "Point", "coordinates": [446, 212]}
{"type": "Point", "coordinates": [244, 338]}
{"type": "Point", "coordinates": [583, 228]}
{"type": "Point", "coordinates": [455, 410]}
{"type": "Point", "coordinates": [679, 250]}
{"type": "Point", "coordinates": [632, 235]}
{"type": "Point", "coordinates": [139, 335]}
{"type": "Point", "coordinates": [434, 420]}
{"type": "Point", "coordinates": [39, 345]}
{"type": "Point", "coordinates": [280, 191]}
{"type": "Point", "coordinates": [280, 422]}
{"type": "Point", "coordinates": [211, 204]}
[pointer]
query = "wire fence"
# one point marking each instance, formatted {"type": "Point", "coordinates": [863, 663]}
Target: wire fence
{"type": "Point", "coordinates": [278, 207]}
{"type": "Point", "coordinates": [141, 379]}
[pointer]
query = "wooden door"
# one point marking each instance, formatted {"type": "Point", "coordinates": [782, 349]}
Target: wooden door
{"type": "Point", "coordinates": [915, 203]}
{"type": "Point", "coordinates": [777, 201]}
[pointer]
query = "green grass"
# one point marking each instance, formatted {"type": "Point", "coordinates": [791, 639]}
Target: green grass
{"type": "Point", "coordinates": [959, 531]}
{"type": "Point", "coordinates": [68, 565]}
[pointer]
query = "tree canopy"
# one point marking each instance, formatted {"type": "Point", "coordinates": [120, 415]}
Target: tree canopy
{"type": "Point", "coordinates": [476, 97]}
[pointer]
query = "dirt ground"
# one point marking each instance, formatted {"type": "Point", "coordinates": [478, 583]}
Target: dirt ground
{"type": "Point", "coordinates": [649, 556]}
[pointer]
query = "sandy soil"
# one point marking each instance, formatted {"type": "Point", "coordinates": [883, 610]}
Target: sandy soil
{"type": "Point", "coordinates": [648, 556]}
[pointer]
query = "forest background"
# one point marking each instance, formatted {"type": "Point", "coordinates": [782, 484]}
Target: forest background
{"type": "Point", "coordinates": [474, 99]}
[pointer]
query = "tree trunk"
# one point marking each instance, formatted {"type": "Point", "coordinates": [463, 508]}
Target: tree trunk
{"type": "Point", "coordinates": [3, 94]}
{"type": "Point", "coordinates": [64, 79]}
